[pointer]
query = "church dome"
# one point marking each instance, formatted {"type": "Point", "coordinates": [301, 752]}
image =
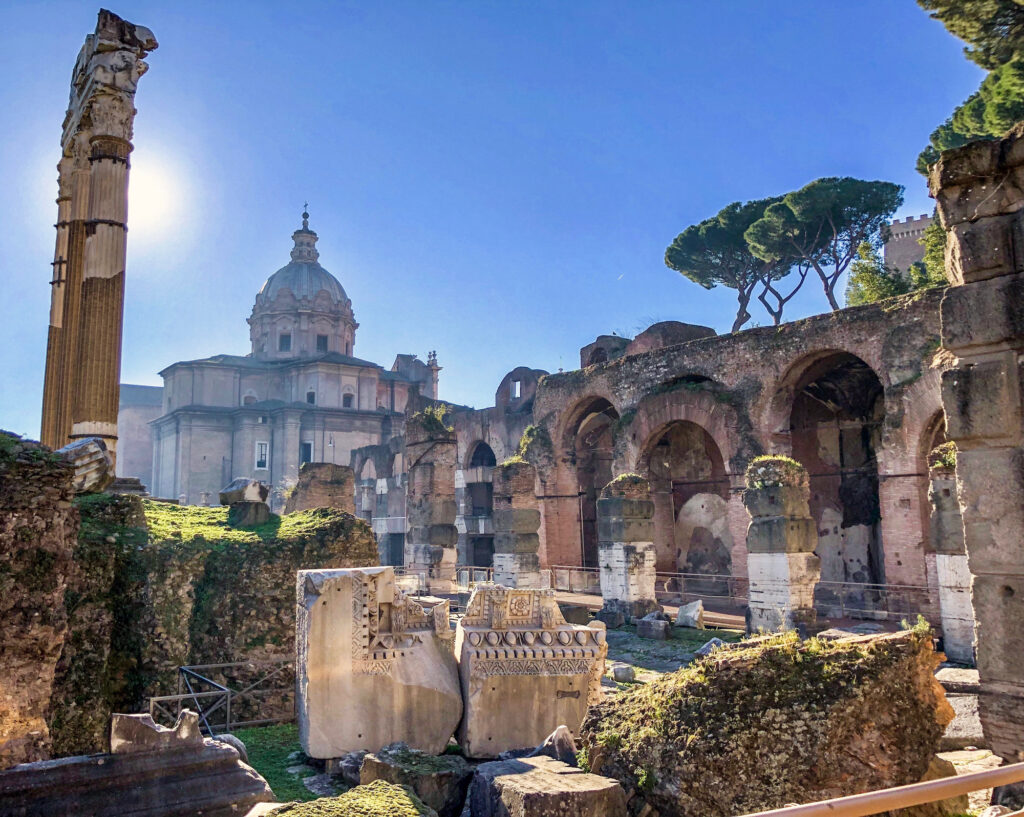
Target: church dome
{"type": "Point", "coordinates": [305, 280]}
{"type": "Point", "coordinates": [303, 276]}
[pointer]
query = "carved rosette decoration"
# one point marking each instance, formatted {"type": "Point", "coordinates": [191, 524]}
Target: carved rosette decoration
{"type": "Point", "coordinates": [510, 635]}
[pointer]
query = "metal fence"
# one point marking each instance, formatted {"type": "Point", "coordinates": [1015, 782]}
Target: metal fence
{"type": "Point", "coordinates": [723, 593]}
{"type": "Point", "coordinates": [232, 695]}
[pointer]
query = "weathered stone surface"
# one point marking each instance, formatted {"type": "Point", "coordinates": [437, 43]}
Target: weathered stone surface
{"type": "Point", "coordinates": [94, 467]}
{"type": "Point", "coordinates": [235, 743]}
{"type": "Point", "coordinates": [371, 800]}
{"type": "Point", "coordinates": [710, 646]}
{"type": "Point", "coordinates": [37, 534]}
{"type": "Point", "coordinates": [248, 514]}
{"type": "Point", "coordinates": [430, 508]}
{"type": "Point", "coordinates": [542, 787]}
{"type": "Point", "coordinates": [623, 673]}
{"type": "Point", "coordinates": [439, 781]}
{"type": "Point", "coordinates": [778, 722]}
{"type": "Point", "coordinates": [781, 565]}
{"type": "Point", "coordinates": [138, 733]}
{"type": "Point", "coordinates": [524, 670]}
{"type": "Point", "coordinates": [691, 615]}
{"type": "Point", "coordinates": [323, 485]}
{"type": "Point", "coordinates": [938, 768]}
{"type": "Point", "coordinates": [244, 490]}
{"type": "Point", "coordinates": [372, 666]}
{"type": "Point", "coordinates": [516, 521]}
{"type": "Point", "coordinates": [626, 552]}
{"type": "Point", "coordinates": [155, 585]}
{"type": "Point", "coordinates": [558, 745]}
{"type": "Point", "coordinates": [652, 628]}
{"type": "Point", "coordinates": [154, 773]}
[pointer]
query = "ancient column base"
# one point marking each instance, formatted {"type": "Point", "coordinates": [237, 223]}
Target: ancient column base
{"type": "Point", "coordinates": [627, 581]}
{"type": "Point", "coordinates": [781, 594]}
{"type": "Point", "coordinates": [955, 605]}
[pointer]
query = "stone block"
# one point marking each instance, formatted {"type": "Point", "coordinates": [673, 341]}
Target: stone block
{"type": "Point", "coordinates": [441, 536]}
{"type": "Point", "coordinates": [439, 781]}
{"type": "Point", "coordinates": [652, 628]}
{"type": "Point", "coordinates": [244, 490]}
{"type": "Point", "coordinates": [373, 666]}
{"type": "Point", "coordinates": [516, 520]}
{"type": "Point", "coordinates": [542, 787]}
{"type": "Point", "coordinates": [247, 514]}
{"type": "Point", "coordinates": [982, 400]}
{"type": "Point", "coordinates": [625, 508]}
{"type": "Point", "coordinates": [575, 613]}
{"type": "Point", "coordinates": [139, 733]}
{"type": "Point", "coordinates": [780, 534]}
{"type": "Point", "coordinates": [524, 670]}
{"type": "Point", "coordinates": [623, 674]}
{"type": "Point", "coordinates": [991, 484]}
{"type": "Point", "coordinates": [611, 618]}
{"type": "Point", "coordinates": [990, 312]}
{"type": "Point", "coordinates": [979, 250]}
{"type": "Point", "coordinates": [999, 607]}
{"type": "Point", "coordinates": [154, 773]}
{"type": "Point", "coordinates": [777, 500]}
{"type": "Point", "coordinates": [323, 485]}
{"type": "Point", "coordinates": [516, 542]}
{"type": "Point", "coordinates": [691, 615]}
{"type": "Point", "coordinates": [624, 529]}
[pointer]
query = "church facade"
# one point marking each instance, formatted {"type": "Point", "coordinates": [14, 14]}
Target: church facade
{"type": "Point", "coordinates": [300, 396]}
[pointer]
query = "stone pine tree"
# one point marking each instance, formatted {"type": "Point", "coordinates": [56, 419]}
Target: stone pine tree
{"type": "Point", "coordinates": [824, 223]}
{"type": "Point", "coordinates": [994, 33]}
{"type": "Point", "coordinates": [714, 252]}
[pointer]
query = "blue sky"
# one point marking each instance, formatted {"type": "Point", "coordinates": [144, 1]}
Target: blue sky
{"type": "Point", "coordinates": [494, 180]}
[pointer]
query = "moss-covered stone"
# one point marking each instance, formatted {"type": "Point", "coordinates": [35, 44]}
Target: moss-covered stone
{"type": "Point", "coordinates": [377, 799]}
{"type": "Point", "coordinates": [156, 585]}
{"type": "Point", "coordinates": [778, 721]}
{"type": "Point", "coordinates": [775, 471]}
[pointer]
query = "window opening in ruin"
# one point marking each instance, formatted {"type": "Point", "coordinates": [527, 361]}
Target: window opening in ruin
{"type": "Point", "coordinates": [311, 398]}
{"type": "Point", "coordinates": [836, 429]}
{"type": "Point", "coordinates": [690, 491]}
{"type": "Point", "coordinates": [481, 551]}
{"type": "Point", "coordinates": [262, 455]}
{"type": "Point", "coordinates": [305, 453]}
{"type": "Point", "coordinates": [592, 449]}
{"type": "Point", "coordinates": [284, 343]}
{"type": "Point", "coordinates": [346, 401]}
{"type": "Point", "coordinates": [321, 343]}
{"type": "Point", "coordinates": [515, 389]}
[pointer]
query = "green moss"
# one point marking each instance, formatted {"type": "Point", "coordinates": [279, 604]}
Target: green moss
{"type": "Point", "coordinates": [377, 799]}
{"type": "Point", "coordinates": [271, 750]}
{"type": "Point", "coordinates": [943, 456]}
{"type": "Point", "coordinates": [420, 763]}
{"type": "Point", "coordinates": [774, 471]}
{"type": "Point", "coordinates": [535, 445]}
{"type": "Point", "coordinates": [205, 527]}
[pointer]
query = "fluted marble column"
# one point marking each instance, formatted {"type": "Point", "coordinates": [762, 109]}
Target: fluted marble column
{"type": "Point", "coordinates": [80, 393]}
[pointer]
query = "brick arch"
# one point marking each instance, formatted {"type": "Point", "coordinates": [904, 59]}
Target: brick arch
{"type": "Point", "coordinates": [774, 419]}
{"type": "Point", "coordinates": [655, 414]}
{"type": "Point", "coordinates": [471, 450]}
{"type": "Point", "coordinates": [570, 420]}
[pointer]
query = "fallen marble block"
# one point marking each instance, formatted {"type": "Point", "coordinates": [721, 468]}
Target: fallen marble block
{"type": "Point", "coordinates": [691, 615]}
{"type": "Point", "coordinates": [542, 787]}
{"type": "Point", "coordinates": [652, 628]}
{"type": "Point", "coordinates": [244, 490]}
{"type": "Point", "coordinates": [524, 670]}
{"type": "Point", "coordinates": [151, 772]}
{"type": "Point", "coordinates": [373, 666]}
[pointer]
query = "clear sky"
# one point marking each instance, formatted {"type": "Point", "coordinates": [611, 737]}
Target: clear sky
{"type": "Point", "coordinates": [494, 180]}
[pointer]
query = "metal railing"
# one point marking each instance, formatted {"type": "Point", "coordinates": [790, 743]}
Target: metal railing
{"type": "Point", "coordinates": [833, 600]}
{"type": "Point", "coordinates": [250, 693]}
{"type": "Point", "coordinates": [916, 794]}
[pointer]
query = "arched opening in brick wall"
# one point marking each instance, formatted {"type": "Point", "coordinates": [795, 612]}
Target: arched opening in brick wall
{"type": "Point", "coordinates": [478, 504]}
{"type": "Point", "coordinates": [482, 455]}
{"type": "Point", "coordinates": [944, 533]}
{"type": "Point", "coordinates": [690, 491]}
{"type": "Point", "coordinates": [836, 426]}
{"type": "Point", "coordinates": [591, 449]}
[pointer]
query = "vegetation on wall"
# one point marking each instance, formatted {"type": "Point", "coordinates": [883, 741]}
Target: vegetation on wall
{"type": "Point", "coordinates": [871, 280]}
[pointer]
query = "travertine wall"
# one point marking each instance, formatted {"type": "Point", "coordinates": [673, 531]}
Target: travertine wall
{"type": "Point", "coordinates": [626, 555]}
{"type": "Point", "coordinates": [979, 193]}
{"type": "Point", "coordinates": [430, 543]}
{"type": "Point", "coordinates": [37, 534]}
{"type": "Point", "coordinates": [516, 521]}
{"type": "Point", "coordinates": [322, 485]}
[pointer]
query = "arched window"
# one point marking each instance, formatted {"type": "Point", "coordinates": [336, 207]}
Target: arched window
{"type": "Point", "coordinates": [311, 398]}
{"type": "Point", "coordinates": [249, 399]}
{"type": "Point", "coordinates": [347, 400]}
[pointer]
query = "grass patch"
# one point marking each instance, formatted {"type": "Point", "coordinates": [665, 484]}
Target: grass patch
{"type": "Point", "coordinates": [376, 799]}
{"type": "Point", "coordinates": [192, 523]}
{"type": "Point", "coordinates": [269, 749]}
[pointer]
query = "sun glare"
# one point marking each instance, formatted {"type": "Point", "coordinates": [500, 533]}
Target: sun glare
{"type": "Point", "coordinates": [156, 200]}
